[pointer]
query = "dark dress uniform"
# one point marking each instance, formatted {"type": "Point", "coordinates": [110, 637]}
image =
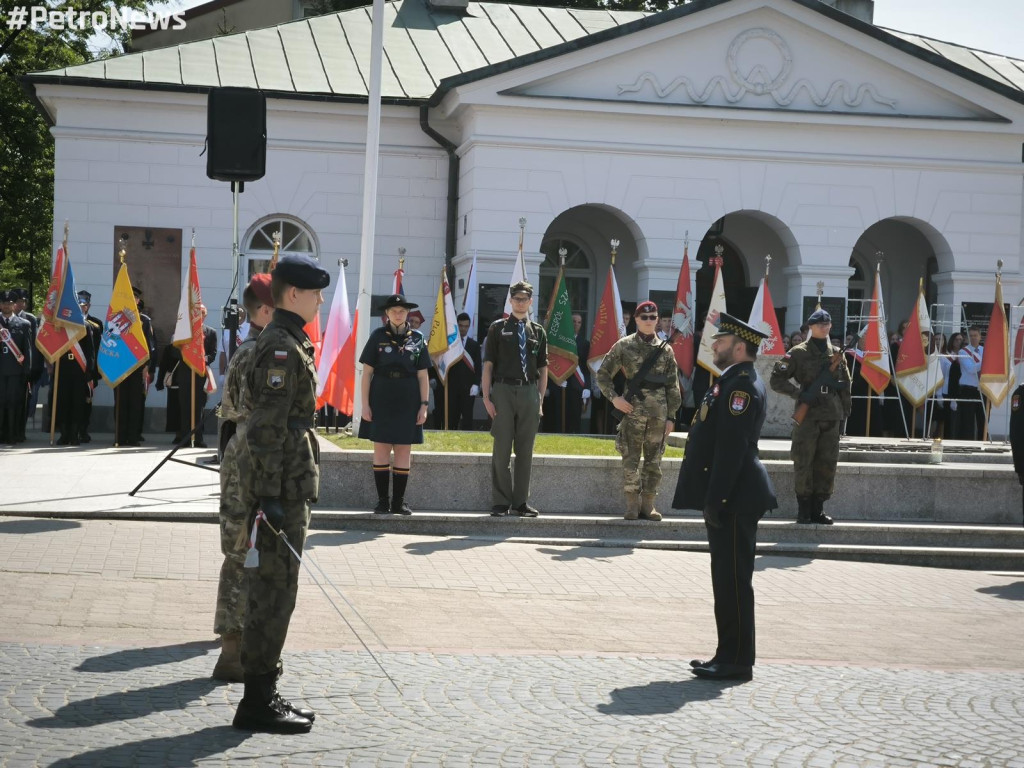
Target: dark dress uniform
{"type": "Point", "coordinates": [170, 356]}
{"type": "Point", "coordinates": [14, 374]}
{"type": "Point", "coordinates": [723, 476]}
{"type": "Point", "coordinates": [130, 394]}
{"type": "Point", "coordinates": [517, 403]}
{"type": "Point", "coordinates": [182, 378]}
{"type": "Point", "coordinates": [1017, 432]}
{"type": "Point", "coordinates": [95, 333]}
{"type": "Point", "coordinates": [36, 371]}
{"type": "Point", "coordinates": [815, 442]}
{"type": "Point", "coordinates": [74, 391]}
{"type": "Point", "coordinates": [461, 379]}
{"type": "Point", "coordinates": [394, 388]}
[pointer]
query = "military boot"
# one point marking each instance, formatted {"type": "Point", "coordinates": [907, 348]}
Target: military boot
{"type": "Point", "coordinates": [805, 510]}
{"type": "Point", "coordinates": [305, 712]}
{"type": "Point", "coordinates": [647, 510]}
{"type": "Point", "coordinates": [262, 709]}
{"type": "Point", "coordinates": [229, 663]}
{"type": "Point", "coordinates": [632, 505]}
{"type": "Point", "coordinates": [383, 506]}
{"type": "Point", "coordinates": [817, 512]}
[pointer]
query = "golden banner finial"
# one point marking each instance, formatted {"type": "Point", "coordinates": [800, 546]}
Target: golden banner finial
{"type": "Point", "coordinates": [615, 250]}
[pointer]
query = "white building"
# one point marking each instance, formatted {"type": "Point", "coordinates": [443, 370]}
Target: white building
{"type": "Point", "coordinates": [781, 127]}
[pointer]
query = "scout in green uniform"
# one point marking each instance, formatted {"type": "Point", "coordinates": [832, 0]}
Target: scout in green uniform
{"type": "Point", "coordinates": [649, 411]}
{"type": "Point", "coordinates": [514, 378]}
{"type": "Point", "coordinates": [804, 375]}
{"type": "Point", "coordinates": [285, 477]}
{"type": "Point", "coordinates": [236, 501]}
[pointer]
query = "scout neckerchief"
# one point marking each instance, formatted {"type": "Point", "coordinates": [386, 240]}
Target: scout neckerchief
{"type": "Point", "coordinates": [399, 343]}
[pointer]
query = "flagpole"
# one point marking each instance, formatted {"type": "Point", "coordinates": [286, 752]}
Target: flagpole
{"type": "Point", "coordinates": [867, 425]}
{"type": "Point", "coordinates": [369, 221]}
{"type": "Point", "coordinates": [56, 365]}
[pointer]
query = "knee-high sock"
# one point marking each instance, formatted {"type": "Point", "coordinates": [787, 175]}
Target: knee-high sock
{"type": "Point", "coordinates": [381, 474]}
{"type": "Point", "coordinates": [400, 476]}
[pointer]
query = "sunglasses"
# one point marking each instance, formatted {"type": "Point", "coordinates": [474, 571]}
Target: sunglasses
{"type": "Point", "coordinates": [646, 317]}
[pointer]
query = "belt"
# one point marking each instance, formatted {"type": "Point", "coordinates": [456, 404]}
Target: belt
{"type": "Point", "coordinates": [395, 374]}
{"type": "Point", "coordinates": [299, 424]}
{"type": "Point", "coordinates": [513, 382]}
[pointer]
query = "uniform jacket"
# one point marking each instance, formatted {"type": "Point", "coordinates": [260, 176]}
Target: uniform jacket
{"type": "Point", "coordinates": [280, 435]}
{"type": "Point", "coordinates": [721, 469]}
{"type": "Point", "coordinates": [660, 385]}
{"type": "Point", "coordinates": [803, 363]}
{"type": "Point", "coordinates": [23, 338]}
{"type": "Point", "coordinates": [460, 376]}
{"type": "Point", "coordinates": [583, 352]}
{"type": "Point", "coordinates": [503, 349]}
{"type": "Point", "coordinates": [236, 399]}
{"type": "Point", "coordinates": [94, 329]}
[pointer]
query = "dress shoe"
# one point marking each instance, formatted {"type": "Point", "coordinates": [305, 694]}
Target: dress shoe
{"type": "Point", "coordinates": [720, 670]}
{"type": "Point", "coordinates": [85, 437]}
{"type": "Point", "coordinates": [199, 444]}
{"type": "Point", "coordinates": [821, 519]}
{"type": "Point", "coordinates": [383, 506]}
{"type": "Point", "coordinates": [525, 510]}
{"type": "Point", "coordinates": [64, 440]}
{"type": "Point", "coordinates": [694, 663]}
{"type": "Point", "coordinates": [499, 510]}
{"type": "Point", "coordinates": [74, 441]}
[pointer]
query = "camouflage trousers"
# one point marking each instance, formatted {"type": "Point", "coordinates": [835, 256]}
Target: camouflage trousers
{"type": "Point", "coordinates": [236, 507]}
{"type": "Point", "coordinates": [642, 435]}
{"type": "Point", "coordinates": [815, 453]}
{"type": "Point", "coordinates": [272, 588]}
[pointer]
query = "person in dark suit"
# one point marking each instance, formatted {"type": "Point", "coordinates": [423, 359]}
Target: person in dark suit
{"type": "Point", "coordinates": [462, 385]}
{"type": "Point", "coordinates": [578, 392]}
{"type": "Point", "coordinates": [183, 377]}
{"type": "Point", "coordinates": [16, 354]}
{"type": "Point", "coordinates": [1017, 433]}
{"type": "Point", "coordinates": [723, 477]}
{"type": "Point", "coordinates": [95, 332]}
{"type": "Point", "coordinates": [130, 394]}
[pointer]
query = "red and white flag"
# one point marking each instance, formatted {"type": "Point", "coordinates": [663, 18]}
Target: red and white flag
{"type": "Point", "coordinates": [705, 356]}
{"type": "Point", "coordinates": [188, 330]}
{"type": "Point", "coordinates": [996, 377]}
{"type": "Point", "coordinates": [397, 286]}
{"type": "Point", "coordinates": [682, 319]}
{"type": "Point", "coordinates": [918, 374]}
{"type": "Point", "coordinates": [518, 274]}
{"type": "Point", "coordinates": [336, 369]}
{"type": "Point", "coordinates": [875, 368]}
{"type": "Point", "coordinates": [609, 326]}
{"type": "Point", "coordinates": [763, 318]}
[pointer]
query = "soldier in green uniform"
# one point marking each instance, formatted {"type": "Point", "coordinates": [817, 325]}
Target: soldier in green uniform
{"type": "Point", "coordinates": [649, 406]}
{"type": "Point", "coordinates": [236, 502]}
{"type": "Point", "coordinates": [514, 378]}
{"type": "Point", "coordinates": [806, 374]}
{"type": "Point", "coordinates": [284, 477]}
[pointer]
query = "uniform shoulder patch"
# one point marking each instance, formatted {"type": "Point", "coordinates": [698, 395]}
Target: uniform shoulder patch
{"type": "Point", "coordinates": [1015, 402]}
{"type": "Point", "coordinates": [276, 378]}
{"type": "Point", "coordinates": [738, 402]}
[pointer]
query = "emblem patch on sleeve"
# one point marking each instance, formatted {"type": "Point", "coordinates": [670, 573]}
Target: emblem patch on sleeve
{"type": "Point", "coordinates": [1015, 403]}
{"type": "Point", "coordinates": [275, 378]}
{"type": "Point", "coordinates": [738, 403]}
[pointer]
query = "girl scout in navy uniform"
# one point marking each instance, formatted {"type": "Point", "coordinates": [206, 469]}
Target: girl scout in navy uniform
{"type": "Point", "coordinates": [395, 392]}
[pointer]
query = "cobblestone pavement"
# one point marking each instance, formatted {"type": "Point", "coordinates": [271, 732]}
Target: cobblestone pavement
{"type": "Point", "coordinates": [505, 655]}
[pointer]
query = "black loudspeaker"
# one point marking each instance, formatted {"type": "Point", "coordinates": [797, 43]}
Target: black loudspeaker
{"type": "Point", "coordinates": [236, 134]}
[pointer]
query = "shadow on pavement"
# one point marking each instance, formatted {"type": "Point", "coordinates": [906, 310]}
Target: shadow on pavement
{"type": "Point", "coordinates": [136, 658]}
{"type": "Point", "coordinates": [1013, 591]}
{"type": "Point", "coordinates": [447, 545]}
{"type": "Point", "coordinates": [36, 525]}
{"type": "Point", "coordinates": [663, 697]}
{"type": "Point", "coordinates": [314, 540]}
{"type": "Point", "coordinates": [184, 750]}
{"type": "Point", "coordinates": [127, 705]}
{"type": "Point", "coordinates": [777, 562]}
{"type": "Point", "coordinates": [568, 554]}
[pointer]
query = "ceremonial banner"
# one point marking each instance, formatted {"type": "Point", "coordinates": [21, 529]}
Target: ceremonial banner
{"type": "Point", "coordinates": [444, 343]}
{"type": "Point", "coordinates": [918, 375]}
{"type": "Point", "coordinates": [705, 356]}
{"type": "Point", "coordinates": [62, 323]}
{"type": "Point", "coordinates": [609, 326]}
{"type": "Point", "coordinates": [336, 369]}
{"type": "Point", "coordinates": [875, 368]}
{"type": "Point", "coordinates": [562, 354]}
{"type": "Point", "coordinates": [762, 317]}
{"type": "Point", "coordinates": [518, 274]}
{"type": "Point", "coordinates": [188, 330]}
{"type": "Point", "coordinates": [123, 347]}
{"type": "Point", "coordinates": [996, 378]}
{"type": "Point", "coordinates": [683, 325]}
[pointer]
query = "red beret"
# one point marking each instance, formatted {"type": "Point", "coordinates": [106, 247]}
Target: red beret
{"type": "Point", "coordinates": [417, 314]}
{"type": "Point", "coordinates": [645, 306]}
{"type": "Point", "coordinates": [260, 285]}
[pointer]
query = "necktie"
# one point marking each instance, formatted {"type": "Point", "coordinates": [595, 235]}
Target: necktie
{"type": "Point", "coordinates": [522, 345]}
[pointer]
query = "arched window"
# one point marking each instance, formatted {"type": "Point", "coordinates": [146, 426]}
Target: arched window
{"type": "Point", "coordinates": [577, 277]}
{"type": "Point", "coordinates": [296, 238]}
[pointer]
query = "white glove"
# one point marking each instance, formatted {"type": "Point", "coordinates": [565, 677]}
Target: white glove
{"type": "Point", "coordinates": [474, 391]}
{"type": "Point", "coordinates": [586, 394]}
{"type": "Point", "coordinates": [564, 384]}
{"type": "Point", "coordinates": [547, 392]}
{"type": "Point", "coordinates": [952, 405]}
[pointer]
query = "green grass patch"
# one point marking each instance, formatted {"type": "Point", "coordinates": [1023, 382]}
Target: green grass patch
{"type": "Point", "coordinates": [481, 442]}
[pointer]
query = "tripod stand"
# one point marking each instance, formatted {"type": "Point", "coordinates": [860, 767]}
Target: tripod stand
{"type": "Point", "coordinates": [186, 440]}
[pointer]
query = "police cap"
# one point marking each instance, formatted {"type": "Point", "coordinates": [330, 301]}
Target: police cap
{"type": "Point", "coordinates": [84, 297]}
{"type": "Point", "coordinates": [732, 326]}
{"type": "Point", "coordinates": [521, 287]}
{"type": "Point", "coordinates": [302, 271]}
{"type": "Point", "coordinates": [819, 317]}
{"type": "Point", "coordinates": [7, 296]}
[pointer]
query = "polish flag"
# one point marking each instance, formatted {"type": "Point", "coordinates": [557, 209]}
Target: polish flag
{"type": "Point", "coordinates": [336, 368]}
{"type": "Point", "coordinates": [875, 367]}
{"type": "Point", "coordinates": [762, 317]}
{"type": "Point", "coordinates": [918, 375]}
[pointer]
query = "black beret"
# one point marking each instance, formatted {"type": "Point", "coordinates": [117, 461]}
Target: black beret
{"type": "Point", "coordinates": [301, 272]}
{"type": "Point", "coordinates": [819, 316]}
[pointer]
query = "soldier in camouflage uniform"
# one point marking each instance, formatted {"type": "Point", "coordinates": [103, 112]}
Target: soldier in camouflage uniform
{"type": "Point", "coordinates": [236, 503]}
{"type": "Point", "coordinates": [815, 446]}
{"type": "Point", "coordinates": [650, 413]}
{"type": "Point", "coordinates": [284, 476]}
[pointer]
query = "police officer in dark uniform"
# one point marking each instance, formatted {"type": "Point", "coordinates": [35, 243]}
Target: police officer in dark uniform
{"type": "Point", "coordinates": [75, 375]}
{"type": "Point", "coordinates": [36, 373]}
{"type": "Point", "coordinates": [130, 394]}
{"type": "Point", "coordinates": [95, 333]}
{"type": "Point", "coordinates": [514, 378]}
{"type": "Point", "coordinates": [1017, 433]}
{"type": "Point", "coordinates": [723, 477]}
{"type": "Point", "coordinates": [284, 476]}
{"type": "Point", "coordinates": [183, 378]}
{"type": "Point", "coordinates": [16, 353]}
{"type": "Point", "coordinates": [806, 374]}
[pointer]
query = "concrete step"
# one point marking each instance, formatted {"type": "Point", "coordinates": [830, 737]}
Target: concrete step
{"type": "Point", "coordinates": [942, 546]}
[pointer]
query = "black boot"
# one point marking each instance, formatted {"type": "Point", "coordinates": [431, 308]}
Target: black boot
{"type": "Point", "coordinates": [381, 477]}
{"type": "Point", "coordinates": [805, 510]}
{"type": "Point", "coordinates": [305, 712]}
{"type": "Point", "coordinates": [817, 514]}
{"type": "Point", "coordinates": [400, 478]}
{"type": "Point", "coordinates": [262, 710]}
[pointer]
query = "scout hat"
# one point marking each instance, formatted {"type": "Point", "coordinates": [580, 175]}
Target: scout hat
{"type": "Point", "coordinates": [731, 326]}
{"type": "Point", "coordinates": [396, 300]}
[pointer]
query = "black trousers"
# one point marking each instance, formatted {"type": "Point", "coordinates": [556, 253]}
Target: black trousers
{"type": "Point", "coordinates": [130, 400]}
{"type": "Point", "coordinates": [12, 407]}
{"type": "Point", "coordinates": [460, 407]}
{"type": "Point", "coordinates": [970, 415]}
{"type": "Point", "coordinates": [184, 405]}
{"type": "Point", "coordinates": [732, 572]}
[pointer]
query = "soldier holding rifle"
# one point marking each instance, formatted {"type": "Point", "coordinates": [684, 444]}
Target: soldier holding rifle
{"type": "Point", "coordinates": [814, 373]}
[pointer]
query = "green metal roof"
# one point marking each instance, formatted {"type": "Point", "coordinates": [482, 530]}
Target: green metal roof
{"type": "Point", "coordinates": [427, 52]}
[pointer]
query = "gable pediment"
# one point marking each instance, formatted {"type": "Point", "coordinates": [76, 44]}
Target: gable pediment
{"type": "Point", "coordinates": [761, 59]}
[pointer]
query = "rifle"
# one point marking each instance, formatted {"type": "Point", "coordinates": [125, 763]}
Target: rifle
{"type": "Point", "coordinates": [633, 385]}
{"type": "Point", "coordinates": [826, 378]}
